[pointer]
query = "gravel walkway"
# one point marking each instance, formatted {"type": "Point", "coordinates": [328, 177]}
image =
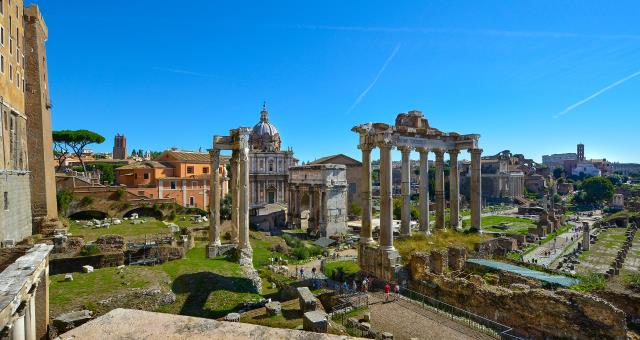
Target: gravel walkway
{"type": "Point", "coordinates": [406, 320]}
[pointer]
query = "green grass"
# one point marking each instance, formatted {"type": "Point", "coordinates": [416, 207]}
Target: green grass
{"type": "Point", "coordinates": [590, 282]}
{"type": "Point", "coordinates": [440, 239]}
{"type": "Point", "coordinates": [291, 316]}
{"type": "Point", "coordinates": [515, 225]}
{"type": "Point", "coordinates": [349, 268]}
{"type": "Point", "coordinates": [262, 248]}
{"type": "Point", "coordinates": [127, 230]}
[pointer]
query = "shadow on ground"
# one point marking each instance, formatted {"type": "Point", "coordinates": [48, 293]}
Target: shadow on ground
{"type": "Point", "coordinates": [198, 287]}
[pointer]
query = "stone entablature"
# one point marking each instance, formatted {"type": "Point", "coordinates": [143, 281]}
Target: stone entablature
{"type": "Point", "coordinates": [413, 132]}
{"type": "Point", "coordinates": [320, 189]}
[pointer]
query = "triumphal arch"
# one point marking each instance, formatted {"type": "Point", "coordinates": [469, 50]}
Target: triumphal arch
{"type": "Point", "coordinates": [411, 132]}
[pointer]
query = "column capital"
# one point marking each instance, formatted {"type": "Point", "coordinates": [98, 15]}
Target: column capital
{"type": "Point", "coordinates": [422, 149]}
{"type": "Point", "coordinates": [405, 149]}
{"type": "Point", "coordinates": [214, 152]}
{"type": "Point", "coordinates": [453, 152]}
{"type": "Point", "coordinates": [439, 153]}
{"type": "Point", "coordinates": [366, 147]}
{"type": "Point", "coordinates": [475, 151]}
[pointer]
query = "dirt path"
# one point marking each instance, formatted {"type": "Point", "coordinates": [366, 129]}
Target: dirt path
{"type": "Point", "coordinates": [405, 321]}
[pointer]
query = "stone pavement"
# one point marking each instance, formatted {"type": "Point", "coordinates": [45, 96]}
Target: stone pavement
{"type": "Point", "coordinates": [406, 320]}
{"type": "Point", "coordinates": [556, 248]}
{"type": "Point", "coordinates": [632, 262]}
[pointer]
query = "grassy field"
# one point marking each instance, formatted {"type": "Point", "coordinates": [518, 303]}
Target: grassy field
{"type": "Point", "coordinates": [349, 268]}
{"type": "Point", "coordinates": [291, 316]}
{"type": "Point", "coordinates": [440, 239]}
{"type": "Point", "coordinates": [127, 229]}
{"type": "Point", "coordinates": [203, 287]}
{"type": "Point", "coordinates": [515, 225]}
{"type": "Point", "coordinates": [601, 254]}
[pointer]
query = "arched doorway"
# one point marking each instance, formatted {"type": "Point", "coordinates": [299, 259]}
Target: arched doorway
{"type": "Point", "coordinates": [305, 210]}
{"type": "Point", "coordinates": [88, 215]}
{"type": "Point", "coordinates": [145, 212]}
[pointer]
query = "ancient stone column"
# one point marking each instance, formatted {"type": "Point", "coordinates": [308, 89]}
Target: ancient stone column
{"type": "Point", "coordinates": [405, 170]}
{"type": "Point", "coordinates": [476, 189]}
{"type": "Point", "coordinates": [424, 191]}
{"type": "Point", "coordinates": [586, 236]}
{"type": "Point", "coordinates": [440, 199]}
{"type": "Point", "coordinates": [243, 188]}
{"type": "Point", "coordinates": [235, 197]}
{"type": "Point", "coordinates": [366, 232]}
{"type": "Point", "coordinates": [386, 198]}
{"type": "Point", "coordinates": [454, 189]}
{"type": "Point", "coordinates": [214, 199]}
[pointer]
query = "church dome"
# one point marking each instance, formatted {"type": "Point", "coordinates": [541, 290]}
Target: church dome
{"type": "Point", "coordinates": [265, 136]}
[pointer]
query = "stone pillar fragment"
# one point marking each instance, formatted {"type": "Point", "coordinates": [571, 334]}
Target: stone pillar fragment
{"type": "Point", "coordinates": [405, 226]}
{"type": "Point", "coordinates": [454, 190]}
{"type": "Point", "coordinates": [366, 231]}
{"type": "Point", "coordinates": [476, 189]}
{"type": "Point", "coordinates": [214, 199]}
{"type": "Point", "coordinates": [424, 191]}
{"type": "Point", "coordinates": [386, 199]}
{"type": "Point", "coordinates": [440, 199]}
{"type": "Point", "coordinates": [235, 197]}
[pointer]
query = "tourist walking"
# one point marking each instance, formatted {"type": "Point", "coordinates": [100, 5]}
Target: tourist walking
{"type": "Point", "coordinates": [387, 289]}
{"type": "Point", "coordinates": [354, 286]}
{"type": "Point", "coordinates": [313, 272]}
{"type": "Point", "coordinates": [365, 285]}
{"type": "Point", "coordinates": [396, 291]}
{"type": "Point", "coordinates": [302, 273]}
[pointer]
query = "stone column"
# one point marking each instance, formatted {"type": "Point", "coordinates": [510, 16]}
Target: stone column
{"type": "Point", "coordinates": [214, 199]}
{"type": "Point", "coordinates": [17, 330]}
{"type": "Point", "coordinates": [440, 199]}
{"type": "Point", "coordinates": [243, 188]}
{"type": "Point", "coordinates": [405, 170]}
{"type": "Point", "coordinates": [424, 191]}
{"type": "Point", "coordinates": [454, 190]}
{"type": "Point", "coordinates": [476, 189]}
{"type": "Point", "coordinates": [386, 199]}
{"type": "Point", "coordinates": [235, 198]}
{"type": "Point", "coordinates": [30, 318]}
{"type": "Point", "coordinates": [366, 231]}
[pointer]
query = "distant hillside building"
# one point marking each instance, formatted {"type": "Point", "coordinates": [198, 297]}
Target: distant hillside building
{"type": "Point", "coordinates": [120, 147]}
{"type": "Point", "coordinates": [181, 175]}
{"type": "Point", "coordinates": [558, 160]}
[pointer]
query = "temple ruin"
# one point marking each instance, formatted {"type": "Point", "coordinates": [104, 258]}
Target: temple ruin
{"type": "Point", "coordinates": [412, 132]}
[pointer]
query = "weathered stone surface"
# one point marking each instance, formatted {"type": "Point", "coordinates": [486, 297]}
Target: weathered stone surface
{"type": "Point", "coordinates": [562, 313]}
{"type": "Point", "coordinates": [273, 308]}
{"type": "Point", "coordinates": [232, 317]}
{"type": "Point", "coordinates": [438, 261]}
{"type": "Point", "coordinates": [386, 336]}
{"type": "Point", "coordinates": [68, 321]}
{"type": "Point", "coordinates": [418, 264]}
{"type": "Point", "coordinates": [315, 321]}
{"type": "Point", "coordinates": [87, 269]}
{"type": "Point", "coordinates": [457, 257]}
{"type": "Point", "coordinates": [308, 301]}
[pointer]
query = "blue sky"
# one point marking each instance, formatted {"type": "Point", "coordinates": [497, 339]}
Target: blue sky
{"type": "Point", "coordinates": [535, 77]}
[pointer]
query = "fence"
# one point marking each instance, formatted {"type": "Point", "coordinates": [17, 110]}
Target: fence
{"type": "Point", "coordinates": [470, 319]}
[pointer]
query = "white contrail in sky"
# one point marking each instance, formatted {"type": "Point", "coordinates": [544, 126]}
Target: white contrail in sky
{"type": "Point", "coordinates": [375, 80]}
{"type": "Point", "coordinates": [599, 92]}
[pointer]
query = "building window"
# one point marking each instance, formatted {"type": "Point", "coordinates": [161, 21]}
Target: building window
{"type": "Point", "coordinates": [189, 169]}
{"type": "Point", "coordinates": [1, 35]}
{"type": "Point", "coordinates": [194, 184]}
{"type": "Point", "coordinates": [173, 185]}
{"type": "Point", "coordinates": [205, 170]}
{"type": "Point", "coordinates": [146, 175]}
{"type": "Point", "coordinates": [1, 7]}
{"type": "Point", "coordinates": [191, 201]}
{"type": "Point", "coordinates": [1, 63]}
{"type": "Point", "coordinates": [6, 200]}
{"type": "Point", "coordinates": [270, 166]}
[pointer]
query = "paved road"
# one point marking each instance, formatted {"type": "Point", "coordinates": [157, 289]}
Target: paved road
{"type": "Point", "coordinates": [547, 253]}
{"type": "Point", "coordinates": [406, 320]}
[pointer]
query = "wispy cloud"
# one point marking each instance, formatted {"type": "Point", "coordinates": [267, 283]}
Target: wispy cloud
{"type": "Point", "coordinates": [490, 32]}
{"type": "Point", "coordinates": [185, 72]}
{"type": "Point", "coordinates": [375, 80]}
{"type": "Point", "coordinates": [599, 92]}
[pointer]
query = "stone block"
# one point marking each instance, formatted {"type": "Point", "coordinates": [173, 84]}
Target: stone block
{"type": "Point", "coordinates": [273, 308]}
{"type": "Point", "coordinates": [315, 321]}
{"type": "Point", "coordinates": [87, 269]}
{"type": "Point", "coordinates": [68, 321]}
{"type": "Point", "coordinates": [232, 317]}
{"type": "Point", "coordinates": [438, 261]}
{"type": "Point", "coordinates": [386, 336]}
{"type": "Point", "coordinates": [68, 277]}
{"type": "Point", "coordinates": [457, 258]}
{"type": "Point", "coordinates": [366, 317]}
{"type": "Point", "coordinates": [308, 301]}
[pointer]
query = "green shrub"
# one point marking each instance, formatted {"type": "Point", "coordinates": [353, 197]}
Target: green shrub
{"type": "Point", "coordinates": [89, 249]}
{"type": "Point", "coordinates": [64, 198]}
{"type": "Point", "coordinates": [172, 215]}
{"type": "Point", "coordinates": [85, 201]}
{"type": "Point", "coordinates": [590, 282]}
{"type": "Point", "coordinates": [121, 193]}
{"type": "Point", "coordinates": [633, 281]}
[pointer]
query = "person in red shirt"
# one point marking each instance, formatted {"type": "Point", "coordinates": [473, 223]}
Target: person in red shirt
{"type": "Point", "coordinates": [387, 289]}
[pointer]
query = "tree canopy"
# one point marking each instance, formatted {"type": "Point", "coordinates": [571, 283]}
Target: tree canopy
{"type": "Point", "coordinates": [76, 140]}
{"type": "Point", "coordinates": [597, 189]}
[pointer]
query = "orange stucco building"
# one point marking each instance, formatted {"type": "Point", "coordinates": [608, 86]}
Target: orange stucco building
{"type": "Point", "coordinates": [181, 175]}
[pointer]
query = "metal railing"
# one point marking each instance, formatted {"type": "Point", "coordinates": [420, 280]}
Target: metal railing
{"type": "Point", "coordinates": [467, 318]}
{"type": "Point", "coordinates": [339, 315]}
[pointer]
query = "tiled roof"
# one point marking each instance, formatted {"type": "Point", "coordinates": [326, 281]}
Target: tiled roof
{"type": "Point", "coordinates": [193, 156]}
{"type": "Point", "coordinates": [144, 165]}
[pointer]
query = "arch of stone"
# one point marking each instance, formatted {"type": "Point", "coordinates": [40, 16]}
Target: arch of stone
{"type": "Point", "coordinates": [411, 132]}
{"type": "Point", "coordinates": [238, 143]}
